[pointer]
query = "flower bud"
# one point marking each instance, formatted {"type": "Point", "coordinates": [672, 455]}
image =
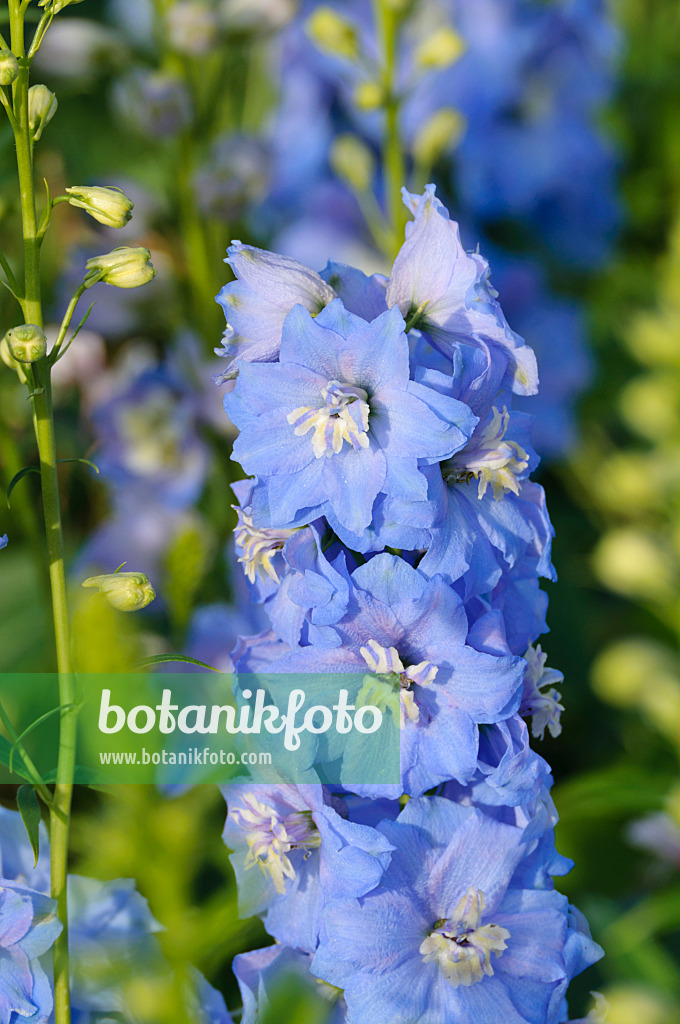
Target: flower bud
{"type": "Point", "coordinates": [27, 343]}
{"type": "Point", "coordinates": [121, 268]}
{"type": "Point", "coordinates": [192, 27]}
{"type": "Point", "coordinates": [6, 356]}
{"type": "Point", "coordinates": [126, 591]}
{"type": "Point", "coordinates": [9, 67]}
{"type": "Point", "coordinates": [58, 5]}
{"type": "Point", "coordinates": [109, 206]}
{"type": "Point", "coordinates": [439, 50]}
{"type": "Point", "coordinates": [42, 106]}
{"type": "Point", "coordinates": [332, 33]}
{"type": "Point", "coordinates": [353, 162]}
{"type": "Point", "coordinates": [438, 134]}
{"type": "Point", "coordinates": [369, 96]}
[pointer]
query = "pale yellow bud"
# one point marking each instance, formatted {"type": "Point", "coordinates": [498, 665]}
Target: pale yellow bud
{"type": "Point", "coordinates": [639, 1005]}
{"type": "Point", "coordinates": [6, 356]}
{"type": "Point", "coordinates": [121, 268]}
{"type": "Point", "coordinates": [107, 205]}
{"type": "Point", "coordinates": [369, 96]}
{"type": "Point", "coordinates": [439, 50]}
{"type": "Point", "coordinates": [332, 33]}
{"type": "Point", "coordinates": [636, 564]}
{"type": "Point", "coordinates": [42, 106]}
{"type": "Point", "coordinates": [440, 132]}
{"type": "Point", "coordinates": [353, 162]}
{"type": "Point", "coordinates": [126, 591]}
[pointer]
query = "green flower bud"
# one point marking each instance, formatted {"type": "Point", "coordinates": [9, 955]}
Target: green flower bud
{"type": "Point", "coordinates": [27, 343]}
{"type": "Point", "coordinates": [126, 591]}
{"type": "Point", "coordinates": [121, 268]}
{"type": "Point", "coordinates": [332, 33]}
{"type": "Point", "coordinates": [109, 206]}
{"type": "Point", "coordinates": [9, 67]}
{"type": "Point", "coordinates": [58, 5]}
{"type": "Point", "coordinates": [42, 106]}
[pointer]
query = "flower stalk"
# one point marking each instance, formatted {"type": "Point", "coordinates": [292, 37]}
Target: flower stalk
{"type": "Point", "coordinates": [43, 422]}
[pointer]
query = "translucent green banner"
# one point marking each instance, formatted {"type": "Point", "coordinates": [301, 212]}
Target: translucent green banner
{"type": "Point", "coordinates": [177, 729]}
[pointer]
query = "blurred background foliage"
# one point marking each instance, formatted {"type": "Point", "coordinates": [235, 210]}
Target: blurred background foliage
{"type": "Point", "coordinates": [174, 121]}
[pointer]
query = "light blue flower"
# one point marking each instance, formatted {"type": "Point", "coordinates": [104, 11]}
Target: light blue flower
{"type": "Point", "coordinates": [445, 936]}
{"type": "Point", "coordinates": [147, 430]}
{"type": "Point", "coordinates": [338, 422]}
{"type": "Point", "coordinates": [3, 541]}
{"type": "Point", "coordinates": [407, 636]}
{"type": "Point", "coordinates": [111, 929]}
{"type": "Point", "coordinates": [17, 861]}
{"type": "Point", "coordinates": [28, 928]}
{"type": "Point", "coordinates": [205, 1003]}
{"type": "Point", "coordinates": [111, 939]}
{"type": "Point", "coordinates": [445, 292]}
{"type": "Point", "coordinates": [293, 849]}
{"type": "Point", "coordinates": [267, 287]}
{"type": "Point", "coordinates": [299, 576]}
{"type": "Point", "coordinates": [262, 972]}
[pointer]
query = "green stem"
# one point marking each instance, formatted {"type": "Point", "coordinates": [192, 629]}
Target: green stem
{"type": "Point", "coordinates": [197, 255]}
{"type": "Point", "coordinates": [387, 21]}
{"type": "Point", "coordinates": [43, 421]}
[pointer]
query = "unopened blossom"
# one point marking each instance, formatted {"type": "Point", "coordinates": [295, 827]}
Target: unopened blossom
{"type": "Point", "coordinates": [266, 289]}
{"type": "Point", "coordinates": [445, 292]}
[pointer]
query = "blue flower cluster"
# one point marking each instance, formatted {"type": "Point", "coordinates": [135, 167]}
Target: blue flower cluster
{"type": "Point", "coordinates": [148, 418]}
{"type": "Point", "coordinates": [528, 164]}
{"type": "Point", "coordinates": [112, 940]}
{"type": "Point", "coordinates": [390, 529]}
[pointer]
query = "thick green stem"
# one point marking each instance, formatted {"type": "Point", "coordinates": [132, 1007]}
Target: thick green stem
{"type": "Point", "coordinates": [43, 421]}
{"type": "Point", "coordinates": [387, 21]}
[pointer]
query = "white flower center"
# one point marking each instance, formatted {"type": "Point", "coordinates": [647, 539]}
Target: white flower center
{"type": "Point", "coordinates": [394, 678]}
{"type": "Point", "coordinates": [272, 836]}
{"type": "Point", "coordinates": [258, 546]}
{"type": "Point", "coordinates": [344, 417]}
{"type": "Point", "coordinates": [152, 431]}
{"type": "Point", "coordinates": [462, 946]}
{"type": "Point", "coordinates": [490, 458]}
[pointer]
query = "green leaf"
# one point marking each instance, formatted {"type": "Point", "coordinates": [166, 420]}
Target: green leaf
{"type": "Point", "coordinates": [161, 659]}
{"type": "Point", "coordinates": [34, 725]}
{"type": "Point", "coordinates": [36, 469]}
{"type": "Point", "coordinates": [19, 476]}
{"type": "Point", "coordinates": [29, 808]}
{"type": "Point", "coordinates": [6, 753]}
{"type": "Point", "coordinates": [85, 461]}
